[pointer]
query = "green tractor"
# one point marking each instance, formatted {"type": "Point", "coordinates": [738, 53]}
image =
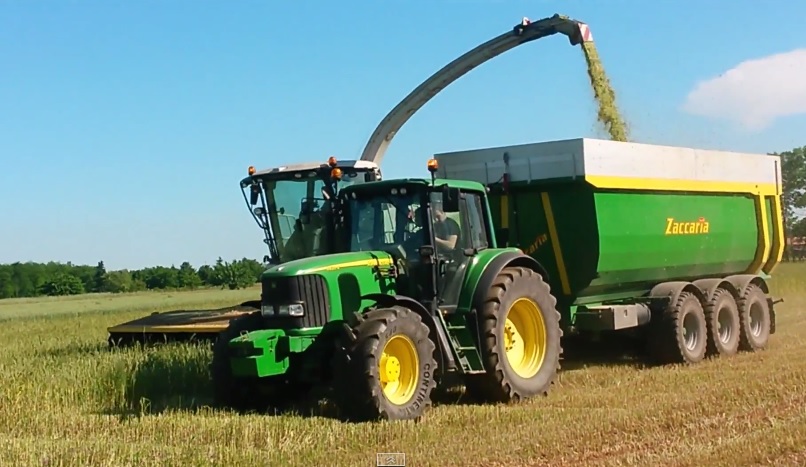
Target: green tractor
{"type": "Point", "coordinates": [415, 290]}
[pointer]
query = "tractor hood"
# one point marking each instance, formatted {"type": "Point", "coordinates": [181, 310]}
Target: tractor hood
{"type": "Point", "coordinates": [334, 262]}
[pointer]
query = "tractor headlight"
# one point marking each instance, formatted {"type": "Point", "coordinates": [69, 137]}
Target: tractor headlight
{"type": "Point", "coordinates": [293, 309]}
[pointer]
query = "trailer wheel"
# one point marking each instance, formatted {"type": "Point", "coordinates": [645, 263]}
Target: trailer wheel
{"type": "Point", "coordinates": [386, 368]}
{"type": "Point", "coordinates": [754, 317]}
{"type": "Point", "coordinates": [722, 319]}
{"type": "Point", "coordinates": [679, 334]}
{"type": "Point", "coordinates": [229, 391]}
{"type": "Point", "coordinates": [520, 339]}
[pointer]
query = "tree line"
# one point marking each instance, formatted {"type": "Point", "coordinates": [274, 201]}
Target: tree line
{"type": "Point", "coordinates": [37, 279]}
{"type": "Point", "coordinates": [793, 199]}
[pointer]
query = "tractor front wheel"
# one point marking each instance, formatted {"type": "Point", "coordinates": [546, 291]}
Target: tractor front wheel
{"type": "Point", "coordinates": [520, 339]}
{"type": "Point", "coordinates": [386, 369]}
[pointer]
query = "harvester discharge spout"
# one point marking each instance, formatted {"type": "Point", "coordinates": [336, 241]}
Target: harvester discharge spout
{"type": "Point", "coordinates": [522, 33]}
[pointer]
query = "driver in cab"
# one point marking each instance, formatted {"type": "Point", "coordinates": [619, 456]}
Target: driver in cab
{"type": "Point", "coordinates": [446, 230]}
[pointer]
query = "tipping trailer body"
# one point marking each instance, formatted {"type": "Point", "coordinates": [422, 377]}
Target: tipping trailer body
{"type": "Point", "coordinates": [610, 220]}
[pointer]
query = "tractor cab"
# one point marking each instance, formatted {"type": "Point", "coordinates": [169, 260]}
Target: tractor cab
{"type": "Point", "coordinates": [432, 229]}
{"type": "Point", "coordinates": [293, 205]}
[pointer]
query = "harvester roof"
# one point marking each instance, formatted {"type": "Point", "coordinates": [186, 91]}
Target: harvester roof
{"type": "Point", "coordinates": [310, 167]}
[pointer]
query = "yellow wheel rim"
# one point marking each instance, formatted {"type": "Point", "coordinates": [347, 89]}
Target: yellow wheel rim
{"type": "Point", "coordinates": [399, 369]}
{"type": "Point", "coordinates": [525, 339]}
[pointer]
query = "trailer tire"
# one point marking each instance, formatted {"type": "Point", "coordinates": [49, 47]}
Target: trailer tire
{"type": "Point", "coordinates": [679, 333]}
{"type": "Point", "coordinates": [722, 319]}
{"type": "Point", "coordinates": [230, 392]}
{"type": "Point", "coordinates": [754, 317]}
{"type": "Point", "coordinates": [522, 295]}
{"type": "Point", "coordinates": [398, 339]}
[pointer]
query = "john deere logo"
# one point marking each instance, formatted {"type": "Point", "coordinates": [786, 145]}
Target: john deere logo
{"type": "Point", "coordinates": [676, 227]}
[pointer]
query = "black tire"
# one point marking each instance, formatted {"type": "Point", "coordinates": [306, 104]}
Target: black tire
{"type": "Point", "coordinates": [722, 320]}
{"type": "Point", "coordinates": [754, 319]}
{"type": "Point", "coordinates": [500, 382]}
{"type": "Point", "coordinates": [358, 390]}
{"type": "Point", "coordinates": [230, 392]}
{"type": "Point", "coordinates": [679, 333]}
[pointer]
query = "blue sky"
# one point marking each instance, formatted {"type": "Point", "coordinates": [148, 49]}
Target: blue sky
{"type": "Point", "coordinates": [126, 126]}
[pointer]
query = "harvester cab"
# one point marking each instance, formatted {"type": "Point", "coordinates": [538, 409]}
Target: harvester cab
{"type": "Point", "coordinates": [293, 205]}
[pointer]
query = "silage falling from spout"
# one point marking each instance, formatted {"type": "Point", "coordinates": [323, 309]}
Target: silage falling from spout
{"type": "Point", "coordinates": [608, 113]}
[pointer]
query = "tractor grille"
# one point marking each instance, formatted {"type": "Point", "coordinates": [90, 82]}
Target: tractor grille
{"type": "Point", "coordinates": [310, 289]}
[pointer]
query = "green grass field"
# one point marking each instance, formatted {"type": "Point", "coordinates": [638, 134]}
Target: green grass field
{"type": "Point", "coordinates": [66, 400]}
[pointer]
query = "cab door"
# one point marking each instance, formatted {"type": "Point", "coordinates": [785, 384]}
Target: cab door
{"type": "Point", "coordinates": [452, 266]}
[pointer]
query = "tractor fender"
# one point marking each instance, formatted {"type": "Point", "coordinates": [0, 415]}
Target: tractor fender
{"type": "Point", "coordinates": [669, 292]}
{"type": "Point", "coordinates": [445, 357]}
{"type": "Point", "coordinates": [709, 286]}
{"type": "Point", "coordinates": [494, 267]}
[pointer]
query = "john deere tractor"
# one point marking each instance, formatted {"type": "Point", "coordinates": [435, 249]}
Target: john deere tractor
{"type": "Point", "coordinates": [415, 289]}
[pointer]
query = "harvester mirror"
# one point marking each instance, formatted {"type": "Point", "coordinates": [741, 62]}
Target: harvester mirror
{"type": "Point", "coordinates": [255, 194]}
{"type": "Point", "coordinates": [259, 211]}
{"type": "Point", "coordinates": [450, 199]}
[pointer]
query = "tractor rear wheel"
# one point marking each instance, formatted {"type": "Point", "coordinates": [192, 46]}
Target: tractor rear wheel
{"type": "Point", "coordinates": [678, 332]}
{"type": "Point", "coordinates": [520, 339]}
{"type": "Point", "coordinates": [722, 318]}
{"type": "Point", "coordinates": [386, 369]}
{"type": "Point", "coordinates": [229, 391]}
{"type": "Point", "coordinates": [754, 316]}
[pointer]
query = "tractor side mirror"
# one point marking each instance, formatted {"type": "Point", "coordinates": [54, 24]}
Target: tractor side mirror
{"type": "Point", "coordinates": [426, 254]}
{"type": "Point", "coordinates": [255, 194]}
{"type": "Point", "coordinates": [450, 199]}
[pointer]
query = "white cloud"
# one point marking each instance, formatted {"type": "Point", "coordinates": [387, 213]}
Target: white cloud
{"type": "Point", "coordinates": [755, 92]}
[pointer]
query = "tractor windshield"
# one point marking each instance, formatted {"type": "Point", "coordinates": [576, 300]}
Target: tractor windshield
{"type": "Point", "coordinates": [295, 212]}
{"type": "Point", "coordinates": [384, 221]}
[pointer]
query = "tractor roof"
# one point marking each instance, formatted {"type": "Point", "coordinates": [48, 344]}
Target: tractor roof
{"type": "Point", "coordinates": [397, 182]}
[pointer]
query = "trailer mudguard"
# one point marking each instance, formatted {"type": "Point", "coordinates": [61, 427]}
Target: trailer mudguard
{"type": "Point", "coordinates": [670, 291]}
{"type": "Point", "coordinates": [709, 286]}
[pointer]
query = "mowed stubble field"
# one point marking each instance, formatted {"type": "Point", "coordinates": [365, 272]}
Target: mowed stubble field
{"type": "Point", "coordinates": [67, 400]}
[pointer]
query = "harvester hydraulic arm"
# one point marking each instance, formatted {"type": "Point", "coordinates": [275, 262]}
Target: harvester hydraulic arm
{"type": "Point", "coordinates": [527, 31]}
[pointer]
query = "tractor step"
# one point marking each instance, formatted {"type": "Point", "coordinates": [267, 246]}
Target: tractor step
{"type": "Point", "coordinates": [462, 339]}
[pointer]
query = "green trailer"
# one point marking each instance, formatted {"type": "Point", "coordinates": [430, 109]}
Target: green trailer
{"type": "Point", "coordinates": [671, 245]}
{"type": "Point", "coordinates": [615, 222]}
